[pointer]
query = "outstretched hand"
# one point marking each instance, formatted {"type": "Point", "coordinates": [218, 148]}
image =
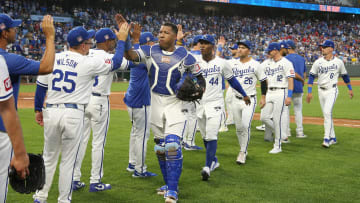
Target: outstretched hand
{"type": "Point", "coordinates": [136, 32]}
{"type": "Point", "coordinates": [123, 32]}
{"type": "Point", "coordinates": [47, 26]}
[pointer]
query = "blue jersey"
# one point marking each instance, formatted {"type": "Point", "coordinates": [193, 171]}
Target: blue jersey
{"type": "Point", "coordinates": [300, 68]}
{"type": "Point", "coordinates": [17, 66]}
{"type": "Point", "coordinates": [138, 92]}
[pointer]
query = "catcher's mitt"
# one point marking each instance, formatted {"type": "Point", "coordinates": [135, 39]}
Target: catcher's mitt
{"type": "Point", "coordinates": [189, 89]}
{"type": "Point", "coordinates": [34, 181]}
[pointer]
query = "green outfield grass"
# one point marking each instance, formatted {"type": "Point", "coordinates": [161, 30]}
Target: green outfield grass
{"type": "Point", "coordinates": [304, 172]}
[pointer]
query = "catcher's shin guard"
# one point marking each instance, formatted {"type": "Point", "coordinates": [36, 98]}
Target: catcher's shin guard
{"type": "Point", "coordinates": [160, 153]}
{"type": "Point", "coordinates": [174, 160]}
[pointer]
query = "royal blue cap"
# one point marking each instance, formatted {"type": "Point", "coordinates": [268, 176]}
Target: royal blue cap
{"type": "Point", "coordinates": [291, 44]}
{"type": "Point", "coordinates": [208, 38]}
{"type": "Point", "coordinates": [246, 43]}
{"type": "Point", "coordinates": [273, 46]}
{"type": "Point", "coordinates": [283, 45]}
{"type": "Point", "coordinates": [146, 37]}
{"type": "Point", "coordinates": [328, 43]}
{"type": "Point", "coordinates": [7, 22]}
{"type": "Point", "coordinates": [104, 34]}
{"type": "Point", "coordinates": [196, 39]}
{"type": "Point", "coordinates": [234, 46]}
{"type": "Point", "coordinates": [78, 35]}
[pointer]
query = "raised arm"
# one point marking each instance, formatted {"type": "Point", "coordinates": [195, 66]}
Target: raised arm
{"type": "Point", "coordinates": [47, 61]}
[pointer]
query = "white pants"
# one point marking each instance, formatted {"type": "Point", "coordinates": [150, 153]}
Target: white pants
{"type": "Point", "coordinates": [297, 99]}
{"type": "Point", "coordinates": [97, 118]}
{"type": "Point", "coordinates": [243, 116]}
{"type": "Point", "coordinates": [5, 158]}
{"type": "Point", "coordinates": [229, 98]}
{"type": "Point", "coordinates": [274, 107]}
{"type": "Point", "coordinates": [327, 101]}
{"type": "Point", "coordinates": [210, 117]}
{"type": "Point", "coordinates": [63, 129]}
{"type": "Point", "coordinates": [191, 124]}
{"type": "Point", "coordinates": [139, 135]}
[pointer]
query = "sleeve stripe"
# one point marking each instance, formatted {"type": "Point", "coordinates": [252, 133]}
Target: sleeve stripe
{"type": "Point", "coordinates": [139, 55]}
{"type": "Point", "coordinates": [263, 79]}
{"type": "Point", "coordinates": [229, 78]}
{"type": "Point", "coordinates": [6, 96]}
{"type": "Point", "coordinates": [41, 84]}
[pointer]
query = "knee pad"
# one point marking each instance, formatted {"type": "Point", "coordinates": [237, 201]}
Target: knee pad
{"type": "Point", "coordinates": [173, 147]}
{"type": "Point", "coordinates": [159, 148]}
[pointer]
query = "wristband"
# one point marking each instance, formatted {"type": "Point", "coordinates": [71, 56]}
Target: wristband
{"type": "Point", "coordinates": [290, 92]}
{"type": "Point", "coordinates": [309, 90]}
{"type": "Point", "coordinates": [349, 86]}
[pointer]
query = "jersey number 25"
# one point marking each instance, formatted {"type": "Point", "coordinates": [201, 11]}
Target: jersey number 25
{"type": "Point", "coordinates": [67, 78]}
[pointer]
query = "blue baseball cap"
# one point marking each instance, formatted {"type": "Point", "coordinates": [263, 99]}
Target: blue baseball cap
{"type": "Point", "coordinates": [328, 43]}
{"type": "Point", "coordinates": [291, 44]}
{"type": "Point", "coordinates": [273, 46]}
{"type": "Point", "coordinates": [78, 35]}
{"type": "Point", "coordinates": [208, 38]}
{"type": "Point", "coordinates": [246, 43]}
{"type": "Point", "coordinates": [196, 39]}
{"type": "Point", "coordinates": [146, 37]}
{"type": "Point", "coordinates": [7, 22]}
{"type": "Point", "coordinates": [233, 47]}
{"type": "Point", "coordinates": [283, 45]}
{"type": "Point", "coordinates": [104, 34]}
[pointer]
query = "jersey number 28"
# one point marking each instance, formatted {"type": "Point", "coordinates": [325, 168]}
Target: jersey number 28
{"type": "Point", "coordinates": [67, 77]}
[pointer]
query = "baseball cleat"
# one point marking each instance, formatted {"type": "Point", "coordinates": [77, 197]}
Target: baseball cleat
{"type": "Point", "coordinates": [261, 127]}
{"type": "Point", "coordinates": [223, 129]}
{"type": "Point", "coordinates": [214, 164]}
{"type": "Point", "coordinates": [326, 143]}
{"type": "Point", "coordinates": [162, 190]}
{"type": "Point", "coordinates": [275, 150]}
{"type": "Point", "coordinates": [130, 168]}
{"type": "Point", "coordinates": [205, 173]}
{"type": "Point", "coordinates": [143, 175]}
{"type": "Point", "coordinates": [171, 196]}
{"type": "Point", "coordinates": [301, 136]}
{"type": "Point", "coordinates": [97, 187]}
{"type": "Point", "coordinates": [332, 141]}
{"type": "Point", "coordinates": [191, 148]}
{"type": "Point", "coordinates": [286, 140]}
{"type": "Point", "coordinates": [77, 185]}
{"type": "Point", "coordinates": [39, 201]}
{"type": "Point", "coordinates": [241, 158]}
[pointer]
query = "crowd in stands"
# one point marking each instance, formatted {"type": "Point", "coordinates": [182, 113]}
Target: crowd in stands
{"type": "Point", "coordinates": [351, 3]}
{"type": "Point", "coordinates": [307, 34]}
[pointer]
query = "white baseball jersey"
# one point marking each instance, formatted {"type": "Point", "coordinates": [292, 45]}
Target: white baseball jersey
{"type": "Point", "coordinates": [278, 72]}
{"type": "Point", "coordinates": [328, 71]}
{"type": "Point", "coordinates": [102, 83]}
{"type": "Point", "coordinates": [247, 74]}
{"type": "Point", "coordinates": [213, 71]}
{"type": "Point", "coordinates": [6, 90]}
{"type": "Point", "coordinates": [73, 74]}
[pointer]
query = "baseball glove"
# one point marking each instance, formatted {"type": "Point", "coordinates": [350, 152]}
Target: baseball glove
{"type": "Point", "coordinates": [188, 88]}
{"type": "Point", "coordinates": [34, 181]}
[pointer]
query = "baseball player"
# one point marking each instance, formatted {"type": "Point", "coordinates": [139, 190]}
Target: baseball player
{"type": "Point", "coordinates": [300, 69]}
{"type": "Point", "coordinates": [166, 64]}
{"type": "Point", "coordinates": [327, 69]}
{"type": "Point", "coordinates": [137, 100]}
{"type": "Point", "coordinates": [15, 66]}
{"type": "Point", "coordinates": [211, 107]}
{"type": "Point", "coordinates": [247, 72]}
{"type": "Point", "coordinates": [97, 113]}
{"type": "Point", "coordinates": [280, 74]}
{"type": "Point", "coordinates": [69, 90]}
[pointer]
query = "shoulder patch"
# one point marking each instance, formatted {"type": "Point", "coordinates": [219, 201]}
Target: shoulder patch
{"type": "Point", "coordinates": [7, 84]}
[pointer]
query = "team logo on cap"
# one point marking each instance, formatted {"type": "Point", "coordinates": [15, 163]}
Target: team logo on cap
{"type": "Point", "coordinates": [147, 39]}
{"type": "Point", "coordinates": [79, 39]}
{"type": "Point", "coordinates": [106, 37]}
{"type": "Point", "coordinates": [7, 84]}
{"type": "Point", "coordinates": [2, 26]}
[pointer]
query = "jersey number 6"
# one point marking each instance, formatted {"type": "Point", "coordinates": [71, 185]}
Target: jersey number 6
{"type": "Point", "coordinates": [67, 79]}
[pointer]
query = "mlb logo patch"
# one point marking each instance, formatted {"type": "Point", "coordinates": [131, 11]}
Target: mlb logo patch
{"type": "Point", "coordinates": [7, 84]}
{"type": "Point", "coordinates": [2, 26]}
{"type": "Point", "coordinates": [148, 39]}
{"type": "Point", "coordinates": [197, 67]}
{"type": "Point", "coordinates": [106, 37]}
{"type": "Point", "coordinates": [79, 39]}
{"type": "Point", "coordinates": [108, 61]}
{"type": "Point", "coordinates": [165, 59]}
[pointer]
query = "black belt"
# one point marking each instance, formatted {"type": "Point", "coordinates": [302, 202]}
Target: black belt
{"type": "Point", "coordinates": [97, 94]}
{"type": "Point", "coordinates": [276, 88]}
{"type": "Point", "coordinates": [66, 105]}
{"type": "Point", "coordinates": [326, 88]}
{"type": "Point", "coordinates": [241, 98]}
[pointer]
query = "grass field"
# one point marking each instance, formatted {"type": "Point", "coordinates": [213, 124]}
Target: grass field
{"type": "Point", "coordinates": [304, 172]}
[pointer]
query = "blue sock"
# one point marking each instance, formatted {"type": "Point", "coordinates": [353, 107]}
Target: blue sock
{"type": "Point", "coordinates": [174, 161]}
{"type": "Point", "coordinates": [160, 153]}
{"type": "Point", "coordinates": [210, 152]}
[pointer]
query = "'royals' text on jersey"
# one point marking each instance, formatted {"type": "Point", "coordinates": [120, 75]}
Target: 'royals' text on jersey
{"type": "Point", "coordinates": [166, 68]}
{"type": "Point", "coordinates": [247, 74]}
{"type": "Point", "coordinates": [328, 71]}
{"type": "Point", "coordinates": [278, 72]}
{"type": "Point", "coordinates": [214, 71]}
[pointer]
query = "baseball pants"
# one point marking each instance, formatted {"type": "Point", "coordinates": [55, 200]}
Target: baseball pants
{"type": "Point", "coordinates": [97, 118]}
{"type": "Point", "coordinates": [5, 157]}
{"type": "Point", "coordinates": [243, 116]}
{"type": "Point", "coordinates": [210, 117]}
{"type": "Point", "coordinates": [229, 98]}
{"type": "Point", "coordinates": [139, 135]}
{"type": "Point", "coordinates": [63, 130]}
{"type": "Point", "coordinates": [327, 101]}
{"type": "Point", "coordinates": [274, 107]}
{"type": "Point", "coordinates": [297, 101]}
{"type": "Point", "coordinates": [190, 131]}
